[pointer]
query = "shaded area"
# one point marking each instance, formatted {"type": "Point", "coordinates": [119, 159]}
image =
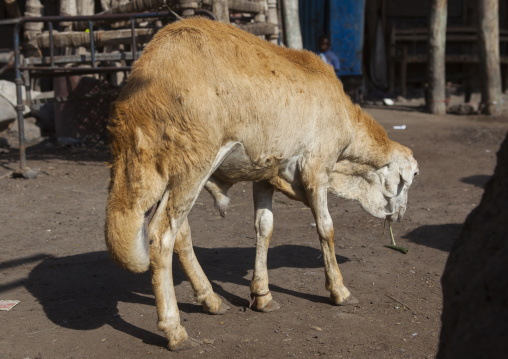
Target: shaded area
{"type": "Point", "coordinates": [50, 149]}
{"type": "Point", "coordinates": [478, 180]}
{"type": "Point", "coordinates": [82, 292]}
{"type": "Point", "coordinates": [475, 284]}
{"type": "Point", "coordinates": [22, 261]}
{"type": "Point", "coordinates": [439, 237]}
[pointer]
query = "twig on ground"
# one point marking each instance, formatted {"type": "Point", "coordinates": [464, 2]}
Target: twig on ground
{"type": "Point", "coordinates": [401, 303]}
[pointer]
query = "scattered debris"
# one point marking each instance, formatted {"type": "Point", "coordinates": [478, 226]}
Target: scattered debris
{"type": "Point", "coordinates": [462, 109]}
{"type": "Point", "coordinates": [401, 127]}
{"type": "Point", "coordinates": [388, 102]}
{"type": "Point", "coordinates": [401, 303]}
{"type": "Point", "coordinates": [27, 173]}
{"type": "Point", "coordinates": [7, 114]}
{"type": "Point", "coordinates": [7, 305]}
{"type": "Point", "coordinates": [317, 328]}
{"type": "Point", "coordinates": [208, 341]}
{"type": "Point", "coordinates": [400, 99]}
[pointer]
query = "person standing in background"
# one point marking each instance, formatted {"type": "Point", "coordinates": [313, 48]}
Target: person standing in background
{"type": "Point", "coordinates": [326, 54]}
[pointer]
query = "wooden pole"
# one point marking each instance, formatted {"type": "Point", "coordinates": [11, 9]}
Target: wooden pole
{"type": "Point", "coordinates": [436, 65]}
{"type": "Point", "coordinates": [272, 17]}
{"type": "Point", "coordinates": [12, 8]}
{"type": "Point", "coordinates": [221, 10]}
{"type": "Point", "coordinates": [488, 12]}
{"type": "Point", "coordinates": [292, 24]}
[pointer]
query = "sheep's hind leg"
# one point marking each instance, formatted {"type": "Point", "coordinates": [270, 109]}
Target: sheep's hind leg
{"type": "Point", "coordinates": [203, 291]}
{"type": "Point", "coordinates": [261, 297]}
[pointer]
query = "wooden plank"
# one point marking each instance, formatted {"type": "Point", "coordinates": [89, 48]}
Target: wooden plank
{"type": "Point", "coordinates": [391, 60]}
{"type": "Point", "coordinates": [449, 59]}
{"type": "Point", "coordinates": [85, 58]}
{"type": "Point", "coordinates": [101, 38]}
{"type": "Point", "coordinates": [252, 7]}
{"type": "Point", "coordinates": [403, 71]}
{"type": "Point", "coordinates": [258, 29]}
{"type": "Point", "coordinates": [450, 38]}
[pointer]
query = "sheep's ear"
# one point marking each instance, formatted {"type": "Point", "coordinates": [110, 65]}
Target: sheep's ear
{"type": "Point", "coordinates": [390, 179]}
{"type": "Point", "coordinates": [141, 141]}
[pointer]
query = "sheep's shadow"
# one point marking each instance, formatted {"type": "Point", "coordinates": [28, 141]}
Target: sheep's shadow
{"type": "Point", "coordinates": [82, 291]}
{"type": "Point", "coordinates": [440, 236]}
{"type": "Point", "coordinates": [478, 180]}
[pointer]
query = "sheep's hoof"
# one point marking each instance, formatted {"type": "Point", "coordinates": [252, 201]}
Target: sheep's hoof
{"type": "Point", "coordinates": [222, 309]}
{"type": "Point", "coordinates": [271, 306]}
{"type": "Point", "coordinates": [348, 301]}
{"type": "Point", "coordinates": [188, 343]}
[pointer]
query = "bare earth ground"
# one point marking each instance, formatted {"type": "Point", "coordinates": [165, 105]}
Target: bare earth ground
{"type": "Point", "coordinates": [75, 303]}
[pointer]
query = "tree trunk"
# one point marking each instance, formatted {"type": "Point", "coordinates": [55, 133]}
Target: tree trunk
{"type": "Point", "coordinates": [436, 71]}
{"type": "Point", "coordinates": [488, 12]}
{"type": "Point", "coordinates": [221, 10]}
{"type": "Point", "coordinates": [292, 24]}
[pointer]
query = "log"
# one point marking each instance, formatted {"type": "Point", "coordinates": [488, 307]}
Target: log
{"type": "Point", "coordinates": [292, 24]}
{"type": "Point", "coordinates": [250, 7]}
{"type": "Point", "coordinates": [33, 9]}
{"type": "Point", "coordinates": [101, 38]}
{"type": "Point", "coordinates": [272, 17]}
{"type": "Point", "coordinates": [436, 65]}
{"type": "Point", "coordinates": [137, 6]}
{"type": "Point", "coordinates": [221, 10]}
{"type": "Point", "coordinates": [259, 28]}
{"type": "Point", "coordinates": [488, 27]}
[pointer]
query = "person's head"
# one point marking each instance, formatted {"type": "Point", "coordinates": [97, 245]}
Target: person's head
{"type": "Point", "coordinates": [324, 43]}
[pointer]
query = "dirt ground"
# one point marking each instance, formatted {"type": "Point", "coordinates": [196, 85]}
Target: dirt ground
{"type": "Point", "coordinates": [75, 303]}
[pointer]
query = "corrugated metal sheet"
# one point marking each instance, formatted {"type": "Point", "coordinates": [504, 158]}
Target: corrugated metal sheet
{"type": "Point", "coordinates": [346, 29]}
{"type": "Point", "coordinates": [343, 20]}
{"type": "Point", "coordinates": [313, 22]}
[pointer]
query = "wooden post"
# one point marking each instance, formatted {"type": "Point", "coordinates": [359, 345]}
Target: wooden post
{"type": "Point", "coordinates": [489, 55]}
{"type": "Point", "coordinates": [436, 64]}
{"type": "Point", "coordinates": [292, 24]}
{"type": "Point", "coordinates": [403, 72]}
{"type": "Point", "coordinates": [272, 18]}
{"type": "Point", "coordinates": [12, 8]}
{"type": "Point", "coordinates": [221, 10]}
{"type": "Point", "coordinates": [391, 60]}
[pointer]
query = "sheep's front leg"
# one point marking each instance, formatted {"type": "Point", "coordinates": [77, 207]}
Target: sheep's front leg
{"type": "Point", "coordinates": [315, 181]}
{"type": "Point", "coordinates": [261, 297]}
{"type": "Point", "coordinates": [203, 291]}
{"type": "Point", "coordinates": [161, 261]}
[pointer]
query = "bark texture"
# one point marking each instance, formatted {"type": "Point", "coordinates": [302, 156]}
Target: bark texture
{"type": "Point", "coordinates": [488, 12]}
{"type": "Point", "coordinates": [292, 29]}
{"type": "Point", "coordinates": [436, 70]}
{"type": "Point", "coordinates": [221, 10]}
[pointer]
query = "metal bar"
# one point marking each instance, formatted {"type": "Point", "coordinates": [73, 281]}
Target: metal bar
{"type": "Point", "coordinates": [92, 43]}
{"type": "Point", "coordinates": [93, 18]}
{"type": "Point", "coordinates": [38, 101]}
{"type": "Point", "coordinates": [133, 36]}
{"type": "Point", "coordinates": [83, 58]}
{"type": "Point", "coordinates": [51, 47]}
{"type": "Point", "coordinates": [19, 98]}
{"type": "Point", "coordinates": [66, 70]}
